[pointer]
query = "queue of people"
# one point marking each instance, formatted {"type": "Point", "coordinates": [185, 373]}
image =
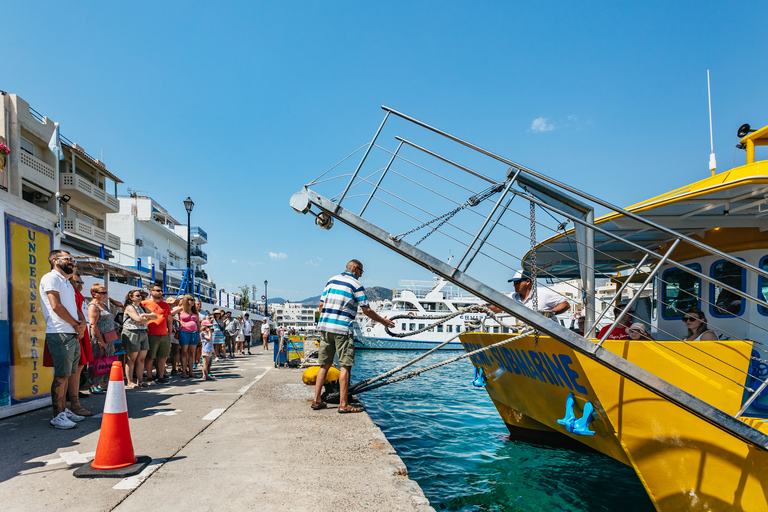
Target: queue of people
{"type": "Point", "coordinates": [150, 329]}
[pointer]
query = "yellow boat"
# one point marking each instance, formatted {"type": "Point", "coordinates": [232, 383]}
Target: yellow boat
{"type": "Point", "coordinates": [687, 416]}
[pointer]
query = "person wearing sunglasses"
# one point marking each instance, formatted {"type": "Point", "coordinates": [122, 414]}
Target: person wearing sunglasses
{"type": "Point", "coordinates": [86, 354]}
{"type": "Point", "coordinates": [64, 326]}
{"type": "Point", "coordinates": [103, 333]}
{"type": "Point", "coordinates": [135, 338]}
{"type": "Point", "coordinates": [159, 331]}
{"type": "Point", "coordinates": [696, 323]}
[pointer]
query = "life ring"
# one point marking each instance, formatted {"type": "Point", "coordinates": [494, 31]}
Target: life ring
{"type": "Point", "coordinates": [577, 315]}
{"type": "Point", "coordinates": [411, 313]}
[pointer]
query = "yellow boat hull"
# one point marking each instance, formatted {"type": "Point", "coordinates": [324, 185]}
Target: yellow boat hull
{"type": "Point", "coordinates": [684, 462]}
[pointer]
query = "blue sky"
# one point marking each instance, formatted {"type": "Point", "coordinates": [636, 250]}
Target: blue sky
{"type": "Point", "coordinates": [238, 104]}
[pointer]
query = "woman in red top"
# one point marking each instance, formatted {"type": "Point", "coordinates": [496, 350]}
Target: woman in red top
{"type": "Point", "coordinates": [86, 354]}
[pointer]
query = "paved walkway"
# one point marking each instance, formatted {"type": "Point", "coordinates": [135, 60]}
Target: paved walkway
{"type": "Point", "coordinates": [246, 441]}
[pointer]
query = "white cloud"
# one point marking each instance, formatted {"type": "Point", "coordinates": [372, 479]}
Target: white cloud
{"type": "Point", "coordinates": [278, 255]}
{"type": "Point", "coordinates": [310, 262]}
{"type": "Point", "coordinates": [540, 125]}
{"type": "Point", "coordinates": [234, 261]}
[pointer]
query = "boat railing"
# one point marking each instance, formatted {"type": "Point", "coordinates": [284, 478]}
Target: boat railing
{"type": "Point", "coordinates": [423, 202]}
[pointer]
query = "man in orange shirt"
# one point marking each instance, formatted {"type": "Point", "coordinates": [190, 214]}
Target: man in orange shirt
{"type": "Point", "coordinates": [159, 333]}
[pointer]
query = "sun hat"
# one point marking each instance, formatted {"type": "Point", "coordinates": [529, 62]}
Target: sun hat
{"type": "Point", "coordinates": [520, 275]}
{"type": "Point", "coordinates": [206, 323]}
{"type": "Point", "coordinates": [638, 326]}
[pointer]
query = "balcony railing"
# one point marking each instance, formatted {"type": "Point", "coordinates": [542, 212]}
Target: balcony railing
{"type": "Point", "coordinates": [83, 190]}
{"type": "Point", "coordinates": [199, 255]}
{"type": "Point", "coordinates": [197, 232]}
{"type": "Point", "coordinates": [36, 171]}
{"type": "Point", "coordinates": [91, 232]}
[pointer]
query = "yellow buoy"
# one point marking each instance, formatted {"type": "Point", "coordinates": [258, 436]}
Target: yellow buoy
{"type": "Point", "coordinates": [310, 375]}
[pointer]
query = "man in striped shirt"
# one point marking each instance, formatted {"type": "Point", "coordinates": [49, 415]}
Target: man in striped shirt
{"type": "Point", "coordinates": [338, 308]}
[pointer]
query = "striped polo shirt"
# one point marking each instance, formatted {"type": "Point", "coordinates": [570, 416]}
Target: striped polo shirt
{"type": "Point", "coordinates": [341, 298]}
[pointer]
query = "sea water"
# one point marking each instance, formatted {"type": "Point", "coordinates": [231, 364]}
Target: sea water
{"type": "Point", "coordinates": [456, 447]}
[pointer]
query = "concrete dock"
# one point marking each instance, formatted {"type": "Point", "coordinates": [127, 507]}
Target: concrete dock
{"type": "Point", "coordinates": [247, 441]}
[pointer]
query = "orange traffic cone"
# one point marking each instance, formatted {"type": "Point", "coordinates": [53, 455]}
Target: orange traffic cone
{"type": "Point", "coordinates": [114, 453]}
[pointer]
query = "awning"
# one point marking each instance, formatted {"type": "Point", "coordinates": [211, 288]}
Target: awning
{"type": "Point", "coordinates": [96, 267]}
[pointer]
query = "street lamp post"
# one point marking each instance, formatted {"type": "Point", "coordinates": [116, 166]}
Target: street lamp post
{"type": "Point", "coordinates": [189, 204]}
{"type": "Point", "coordinates": [266, 297]}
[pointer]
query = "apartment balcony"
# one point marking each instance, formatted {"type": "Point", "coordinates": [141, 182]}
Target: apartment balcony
{"type": "Point", "coordinates": [36, 171]}
{"type": "Point", "coordinates": [198, 256]}
{"type": "Point", "coordinates": [83, 191]}
{"type": "Point", "coordinates": [201, 274]}
{"type": "Point", "coordinates": [198, 235]}
{"type": "Point", "coordinates": [91, 232]}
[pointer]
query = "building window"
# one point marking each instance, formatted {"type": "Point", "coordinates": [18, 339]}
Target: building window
{"type": "Point", "coordinates": [680, 292]}
{"type": "Point", "coordinates": [27, 146]}
{"type": "Point", "coordinates": [725, 303]}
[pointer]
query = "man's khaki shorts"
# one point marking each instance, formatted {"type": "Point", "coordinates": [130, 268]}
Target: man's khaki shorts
{"type": "Point", "coordinates": [159, 346]}
{"type": "Point", "coordinates": [65, 352]}
{"type": "Point", "coordinates": [332, 344]}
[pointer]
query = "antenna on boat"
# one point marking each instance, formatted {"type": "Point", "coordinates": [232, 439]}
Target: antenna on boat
{"type": "Point", "coordinates": [712, 162]}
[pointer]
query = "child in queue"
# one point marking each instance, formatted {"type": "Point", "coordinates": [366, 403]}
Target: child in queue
{"type": "Point", "coordinates": [207, 335]}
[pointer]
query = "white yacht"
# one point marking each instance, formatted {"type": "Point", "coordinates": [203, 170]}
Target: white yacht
{"type": "Point", "coordinates": [414, 300]}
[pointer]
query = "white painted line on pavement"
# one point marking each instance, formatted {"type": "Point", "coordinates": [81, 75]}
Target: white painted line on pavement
{"type": "Point", "coordinates": [245, 388]}
{"type": "Point", "coordinates": [70, 458]}
{"type": "Point", "coordinates": [133, 482]}
{"type": "Point", "coordinates": [201, 391]}
{"type": "Point", "coordinates": [213, 414]}
{"type": "Point", "coordinates": [166, 413]}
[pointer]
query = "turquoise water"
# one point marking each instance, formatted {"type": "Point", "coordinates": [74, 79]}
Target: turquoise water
{"type": "Point", "coordinates": [456, 447]}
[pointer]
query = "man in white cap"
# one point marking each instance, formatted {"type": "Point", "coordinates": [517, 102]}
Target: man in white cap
{"type": "Point", "coordinates": [547, 300]}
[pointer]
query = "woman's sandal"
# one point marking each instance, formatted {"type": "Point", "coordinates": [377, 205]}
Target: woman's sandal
{"type": "Point", "coordinates": [96, 390]}
{"type": "Point", "coordinates": [144, 384]}
{"type": "Point", "coordinates": [349, 409]}
{"type": "Point", "coordinates": [80, 410]}
{"type": "Point", "coordinates": [131, 386]}
{"type": "Point", "coordinates": [210, 377]}
{"type": "Point", "coordinates": [318, 405]}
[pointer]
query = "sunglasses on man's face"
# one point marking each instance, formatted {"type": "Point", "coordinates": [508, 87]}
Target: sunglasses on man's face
{"type": "Point", "coordinates": [66, 258]}
{"type": "Point", "coordinates": [77, 282]}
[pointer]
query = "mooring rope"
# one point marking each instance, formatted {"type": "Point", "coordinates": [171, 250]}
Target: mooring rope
{"type": "Point", "coordinates": [419, 371]}
{"type": "Point", "coordinates": [365, 384]}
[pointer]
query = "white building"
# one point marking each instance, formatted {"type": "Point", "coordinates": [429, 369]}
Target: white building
{"type": "Point", "coordinates": [294, 315]}
{"type": "Point", "coordinates": [151, 240]}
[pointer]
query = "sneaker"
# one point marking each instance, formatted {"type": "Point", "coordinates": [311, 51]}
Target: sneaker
{"type": "Point", "coordinates": [62, 422]}
{"type": "Point", "coordinates": [72, 416]}
{"type": "Point", "coordinates": [162, 380]}
{"type": "Point", "coordinates": [194, 366]}
{"type": "Point", "coordinates": [216, 359]}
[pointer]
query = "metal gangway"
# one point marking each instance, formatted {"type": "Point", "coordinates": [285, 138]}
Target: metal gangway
{"type": "Point", "coordinates": [423, 199]}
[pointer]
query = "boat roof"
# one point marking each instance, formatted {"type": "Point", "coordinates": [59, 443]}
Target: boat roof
{"type": "Point", "coordinates": [737, 198]}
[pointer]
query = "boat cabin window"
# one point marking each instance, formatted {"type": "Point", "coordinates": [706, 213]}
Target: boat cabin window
{"type": "Point", "coordinates": [495, 330]}
{"type": "Point", "coordinates": [460, 305]}
{"type": "Point", "coordinates": [505, 330]}
{"type": "Point", "coordinates": [402, 327]}
{"type": "Point", "coordinates": [762, 287]}
{"type": "Point", "coordinates": [458, 328]}
{"type": "Point", "coordinates": [434, 306]}
{"type": "Point", "coordinates": [440, 328]}
{"type": "Point", "coordinates": [449, 328]}
{"type": "Point", "coordinates": [404, 306]}
{"type": "Point", "coordinates": [724, 303]}
{"type": "Point", "coordinates": [421, 326]}
{"type": "Point", "coordinates": [411, 327]}
{"type": "Point", "coordinates": [680, 291]}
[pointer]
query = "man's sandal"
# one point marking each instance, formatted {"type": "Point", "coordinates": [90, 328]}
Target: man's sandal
{"type": "Point", "coordinates": [319, 405]}
{"type": "Point", "coordinates": [349, 409]}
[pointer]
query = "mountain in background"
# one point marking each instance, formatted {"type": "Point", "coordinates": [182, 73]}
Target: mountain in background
{"type": "Point", "coordinates": [373, 293]}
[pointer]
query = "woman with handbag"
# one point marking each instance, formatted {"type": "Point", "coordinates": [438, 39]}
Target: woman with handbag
{"type": "Point", "coordinates": [135, 337]}
{"type": "Point", "coordinates": [103, 338]}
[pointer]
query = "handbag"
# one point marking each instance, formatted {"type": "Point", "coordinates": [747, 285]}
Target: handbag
{"type": "Point", "coordinates": [110, 337]}
{"type": "Point", "coordinates": [102, 364]}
